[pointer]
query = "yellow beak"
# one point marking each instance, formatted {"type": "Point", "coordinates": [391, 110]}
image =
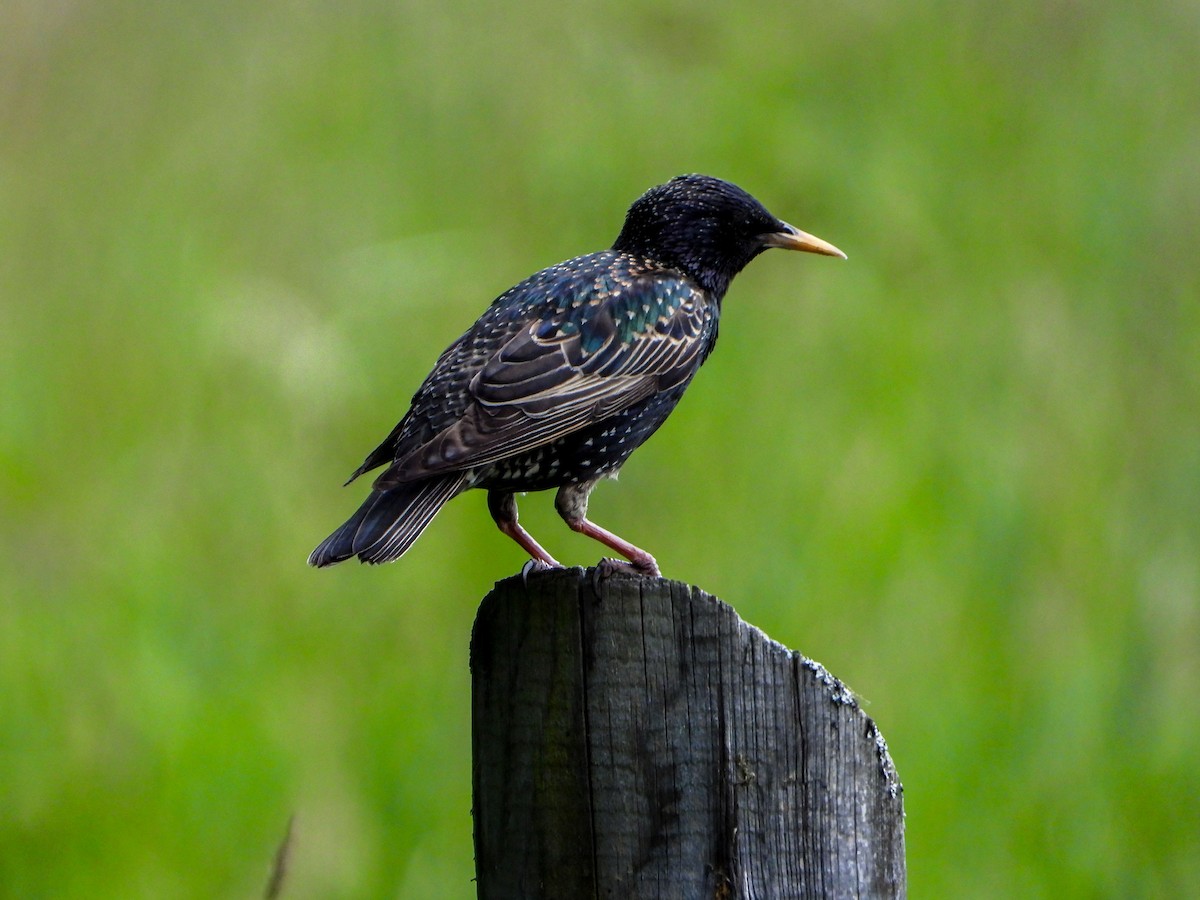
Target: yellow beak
{"type": "Point", "coordinates": [795, 239]}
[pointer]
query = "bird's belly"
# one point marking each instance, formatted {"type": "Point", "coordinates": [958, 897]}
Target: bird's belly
{"type": "Point", "coordinates": [593, 452]}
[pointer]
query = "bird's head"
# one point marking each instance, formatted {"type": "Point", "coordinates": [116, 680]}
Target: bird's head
{"type": "Point", "coordinates": [709, 229]}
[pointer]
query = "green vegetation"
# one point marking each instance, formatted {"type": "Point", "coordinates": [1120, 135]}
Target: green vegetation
{"type": "Point", "coordinates": [961, 469]}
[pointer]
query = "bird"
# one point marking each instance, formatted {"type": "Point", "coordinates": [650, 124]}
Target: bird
{"type": "Point", "coordinates": [566, 374]}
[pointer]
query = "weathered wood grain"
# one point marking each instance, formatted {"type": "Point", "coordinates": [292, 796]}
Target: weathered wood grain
{"type": "Point", "coordinates": [634, 738]}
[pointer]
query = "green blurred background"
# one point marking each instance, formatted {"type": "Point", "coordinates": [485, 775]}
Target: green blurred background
{"type": "Point", "coordinates": [962, 469]}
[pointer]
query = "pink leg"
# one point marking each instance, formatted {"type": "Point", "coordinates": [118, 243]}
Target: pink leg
{"type": "Point", "coordinates": [572, 502]}
{"type": "Point", "coordinates": [503, 507]}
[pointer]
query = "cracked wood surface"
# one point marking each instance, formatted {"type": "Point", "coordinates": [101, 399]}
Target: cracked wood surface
{"type": "Point", "coordinates": [634, 738]}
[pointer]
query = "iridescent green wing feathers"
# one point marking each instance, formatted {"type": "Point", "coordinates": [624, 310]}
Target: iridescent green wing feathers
{"type": "Point", "coordinates": [621, 336]}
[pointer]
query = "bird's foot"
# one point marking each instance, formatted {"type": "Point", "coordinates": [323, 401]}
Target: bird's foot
{"type": "Point", "coordinates": [536, 565]}
{"type": "Point", "coordinates": [645, 567]}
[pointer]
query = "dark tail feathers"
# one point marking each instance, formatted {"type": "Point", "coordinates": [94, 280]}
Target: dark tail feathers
{"type": "Point", "coordinates": [386, 525]}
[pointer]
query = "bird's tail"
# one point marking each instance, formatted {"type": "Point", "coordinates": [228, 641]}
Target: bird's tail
{"type": "Point", "coordinates": [386, 525]}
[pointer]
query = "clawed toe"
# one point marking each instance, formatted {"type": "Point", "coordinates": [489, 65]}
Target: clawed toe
{"type": "Point", "coordinates": [647, 568]}
{"type": "Point", "coordinates": [535, 565]}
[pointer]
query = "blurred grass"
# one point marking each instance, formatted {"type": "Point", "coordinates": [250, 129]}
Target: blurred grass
{"type": "Point", "coordinates": [962, 469]}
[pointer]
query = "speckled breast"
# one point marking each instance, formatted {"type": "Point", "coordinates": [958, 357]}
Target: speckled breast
{"type": "Point", "coordinates": [593, 452]}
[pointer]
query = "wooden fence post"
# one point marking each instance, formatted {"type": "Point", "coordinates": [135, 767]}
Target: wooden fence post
{"type": "Point", "coordinates": [634, 738]}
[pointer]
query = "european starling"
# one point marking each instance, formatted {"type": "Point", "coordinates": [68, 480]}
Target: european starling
{"type": "Point", "coordinates": [567, 373]}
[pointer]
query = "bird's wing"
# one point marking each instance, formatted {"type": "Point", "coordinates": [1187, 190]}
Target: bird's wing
{"type": "Point", "coordinates": [599, 355]}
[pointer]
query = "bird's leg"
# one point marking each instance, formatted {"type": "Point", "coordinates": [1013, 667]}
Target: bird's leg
{"type": "Point", "coordinates": [572, 503]}
{"type": "Point", "coordinates": [503, 507]}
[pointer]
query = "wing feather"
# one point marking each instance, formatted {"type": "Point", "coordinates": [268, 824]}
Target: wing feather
{"type": "Point", "coordinates": [559, 374]}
